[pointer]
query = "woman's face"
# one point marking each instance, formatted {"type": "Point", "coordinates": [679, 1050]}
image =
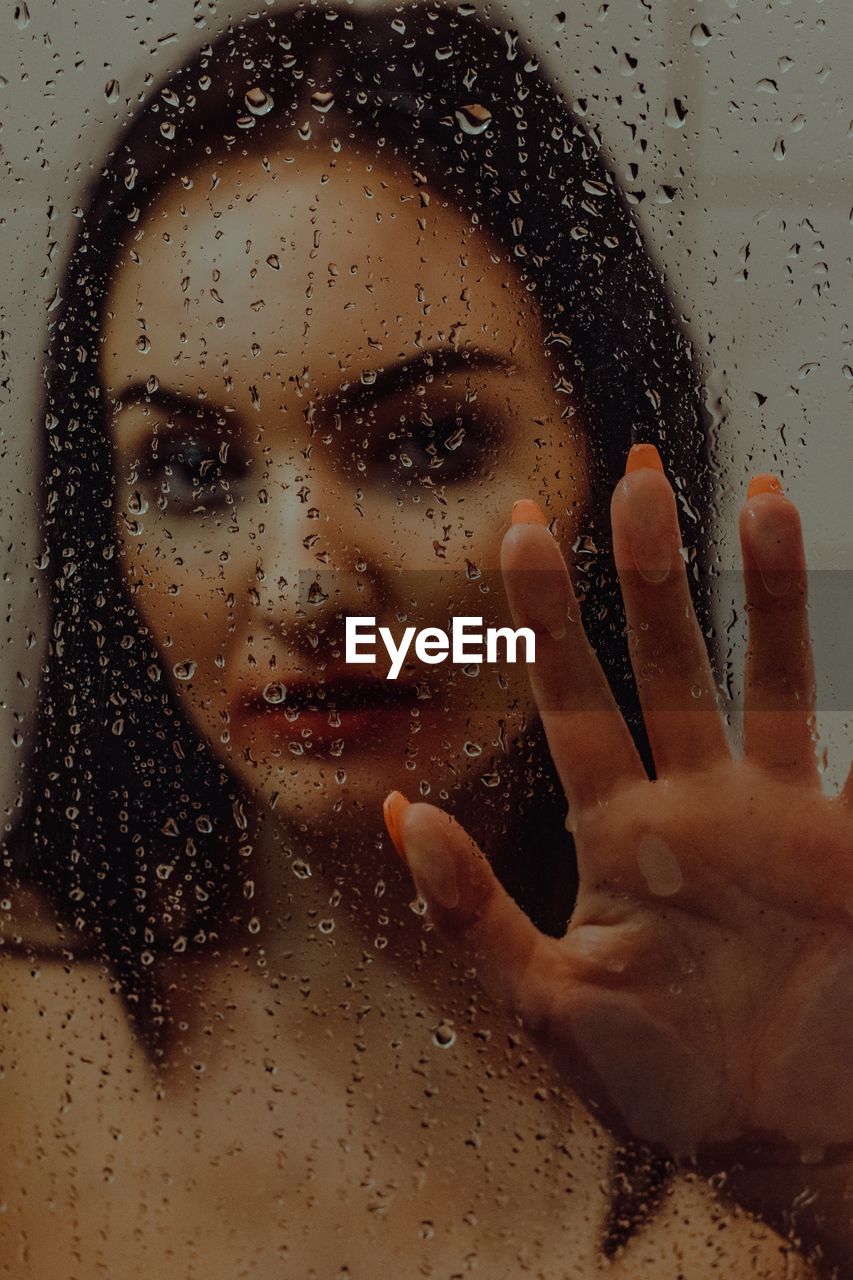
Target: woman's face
{"type": "Point", "coordinates": [327, 391]}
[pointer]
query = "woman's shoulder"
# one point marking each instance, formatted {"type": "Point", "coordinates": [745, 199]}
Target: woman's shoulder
{"type": "Point", "coordinates": [31, 927]}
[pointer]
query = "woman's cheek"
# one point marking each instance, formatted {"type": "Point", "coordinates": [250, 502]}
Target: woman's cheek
{"type": "Point", "coordinates": [191, 598]}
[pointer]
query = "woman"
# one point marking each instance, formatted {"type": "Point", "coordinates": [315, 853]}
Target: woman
{"type": "Point", "coordinates": [332, 268]}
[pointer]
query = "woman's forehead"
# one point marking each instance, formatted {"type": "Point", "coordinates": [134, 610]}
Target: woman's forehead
{"type": "Point", "coordinates": [305, 254]}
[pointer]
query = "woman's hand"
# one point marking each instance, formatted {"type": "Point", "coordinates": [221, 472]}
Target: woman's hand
{"type": "Point", "coordinates": [703, 991]}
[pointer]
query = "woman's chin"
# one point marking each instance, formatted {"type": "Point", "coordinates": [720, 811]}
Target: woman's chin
{"type": "Point", "coordinates": [321, 788]}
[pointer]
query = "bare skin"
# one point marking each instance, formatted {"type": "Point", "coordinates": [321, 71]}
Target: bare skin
{"type": "Point", "coordinates": [328, 470]}
{"type": "Point", "coordinates": [698, 998]}
{"type": "Point", "coordinates": [318, 1136]}
{"type": "Point", "coordinates": [312, 1111]}
{"type": "Point", "coordinates": [213, 1166]}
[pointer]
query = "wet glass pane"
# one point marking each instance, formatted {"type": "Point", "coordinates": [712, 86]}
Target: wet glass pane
{"type": "Point", "coordinates": [331, 336]}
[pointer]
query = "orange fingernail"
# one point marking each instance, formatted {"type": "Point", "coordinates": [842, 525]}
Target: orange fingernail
{"type": "Point", "coordinates": [765, 483]}
{"type": "Point", "coordinates": [526, 511]}
{"type": "Point", "coordinates": [393, 808]}
{"type": "Point", "coordinates": [643, 455]}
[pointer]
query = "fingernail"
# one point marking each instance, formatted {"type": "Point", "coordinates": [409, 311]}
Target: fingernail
{"type": "Point", "coordinates": [393, 808]}
{"type": "Point", "coordinates": [643, 456]}
{"type": "Point", "coordinates": [526, 511]}
{"type": "Point", "coordinates": [434, 869]}
{"type": "Point", "coordinates": [542, 597]}
{"type": "Point", "coordinates": [772, 545]}
{"type": "Point", "coordinates": [764, 483]}
{"type": "Point", "coordinates": [649, 531]}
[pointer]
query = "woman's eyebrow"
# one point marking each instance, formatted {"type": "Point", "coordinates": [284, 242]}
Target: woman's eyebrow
{"type": "Point", "coordinates": [378, 384]}
{"type": "Point", "coordinates": [169, 401]}
{"type": "Point", "coordinates": [374, 384]}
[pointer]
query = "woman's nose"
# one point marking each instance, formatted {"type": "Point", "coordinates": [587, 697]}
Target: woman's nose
{"type": "Point", "coordinates": [319, 552]}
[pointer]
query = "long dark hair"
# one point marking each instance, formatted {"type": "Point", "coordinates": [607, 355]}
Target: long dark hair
{"type": "Point", "coordinates": [117, 778]}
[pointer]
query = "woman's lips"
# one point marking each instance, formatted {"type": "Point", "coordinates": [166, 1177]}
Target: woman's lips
{"type": "Point", "coordinates": [336, 707]}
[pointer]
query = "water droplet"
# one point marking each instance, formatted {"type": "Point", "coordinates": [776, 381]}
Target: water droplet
{"type": "Point", "coordinates": [316, 594]}
{"type": "Point", "coordinates": [22, 16]}
{"type": "Point", "coordinates": [137, 503]}
{"type": "Point", "coordinates": [274, 693]}
{"type": "Point", "coordinates": [143, 344]}
{"type": "Point", "coordinates": [167, 129]}
{"type": "Point", "coordinates": [152, 384]}
{"type": "Point", "coordinates": [473, 118]}
{"type": "Point", "coordinates": [258, 101]}
{"type": "Point", "coordinates": [473, 749]}
{"type": "Point", "coordinates": [444, 1037]}
{"type": "Point", "coordinates": [111, 90]}
{"type": "Point", "coordinates": [323, 100]}
{"type": "Point", "coordinates": [326, 926]}
{"type": "Point", "coordinates": [659, 866]}
{"type": "Point", "coordinates": [272, 261]}
{"type": "Point", "coordinates": [184, 670]}
{"type": "Point", "coordinates": [203, 825]}
{"type": "Point", "coordinates": [675, 113]}
{"type": "Point", "coordinates": [301, 869]}
{"type": "Point", "coordinates": [700, 35]}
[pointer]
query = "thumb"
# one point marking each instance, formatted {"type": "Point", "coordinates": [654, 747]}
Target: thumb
{"type": "Point", "coordinates": [471, 909]}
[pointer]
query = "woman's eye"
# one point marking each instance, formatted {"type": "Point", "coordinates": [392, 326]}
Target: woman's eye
{"type": "Point", "coordinates": [449, 450]}
{"type": "Point", "coordinates": [194, 474]}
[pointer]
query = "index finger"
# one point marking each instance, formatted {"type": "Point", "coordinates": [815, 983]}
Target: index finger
{"type": "Point", "coordinates": [590, 742]}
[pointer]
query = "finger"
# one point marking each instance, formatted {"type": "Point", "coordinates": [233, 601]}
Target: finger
{"type": "Point", "coordinates": [588, 738]}
{"type": "Point", "coordinates": [780, 683]}
{"type": "Point", "coordinates": [515, 963]}
{"type": "Point", "coordinates": [668, 652]}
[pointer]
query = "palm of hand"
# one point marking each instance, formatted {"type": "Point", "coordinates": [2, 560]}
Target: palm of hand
{"type": "Point", "coordinates": [700, 994]}
{"type": "Point", "coordinates": [709, 963]}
